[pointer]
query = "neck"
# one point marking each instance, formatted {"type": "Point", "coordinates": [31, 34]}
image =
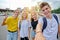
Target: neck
{"type": "Point", "coordinates": [14, 17]}
{"type": "Point", "coordinates": [24, 18]}
{"type": "Point", "coordinates": [49, 16]}
{"type": "Point", "coordinates": [35, 19]}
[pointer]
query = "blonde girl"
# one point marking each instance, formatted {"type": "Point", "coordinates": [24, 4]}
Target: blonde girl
{"type": "Point", "coordinates": [25, 26]}
{"type": "Point", "coordinates": [34, 22]}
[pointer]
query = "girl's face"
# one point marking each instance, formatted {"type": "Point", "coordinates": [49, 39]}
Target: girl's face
{"type": "Point", "coordinates": [24, 15]}
{"type": "Point", "coordinates": [34, 16]}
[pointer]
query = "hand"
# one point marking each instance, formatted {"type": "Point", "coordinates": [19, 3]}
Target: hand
{"type": "Point", "coordinates": [34, 30]}
{"type": "Point", "coordinates": [39, 36]}
{"type": "Point", "coordinates": [28, 36]}
{"type": "Point", "coordinates": [6, 16]}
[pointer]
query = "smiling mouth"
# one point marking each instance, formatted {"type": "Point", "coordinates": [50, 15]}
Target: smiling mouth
{"type": "Point", "coordinates": [45, 13]}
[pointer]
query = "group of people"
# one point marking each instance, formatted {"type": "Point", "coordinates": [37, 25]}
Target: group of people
{"type": "Point", "coordinates": [45, 27]}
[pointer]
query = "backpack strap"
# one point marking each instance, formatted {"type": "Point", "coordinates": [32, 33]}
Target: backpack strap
{"type": "Point", "coordinates": [57, 22]}
{"type": "Point", "coordinates": [44, 23]}
{"type": "Point", "coordinates": [56, 18]}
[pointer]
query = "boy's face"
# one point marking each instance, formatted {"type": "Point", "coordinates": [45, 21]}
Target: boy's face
{"type": "Point", "coordinates": [16, 13]}
{"type": "Point", "coordinates": [46, 10]}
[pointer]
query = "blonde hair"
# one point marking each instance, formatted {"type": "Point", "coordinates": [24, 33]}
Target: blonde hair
{"type": "Point", "coordinates": [24, 12]}
{"type": "Point", "coordinates": [33, 12]}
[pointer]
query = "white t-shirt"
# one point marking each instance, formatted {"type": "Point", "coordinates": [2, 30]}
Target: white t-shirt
{"type": "Point", "coordinates": [25, 24]}
{"type": "Point", "coordinates": [51, 30]}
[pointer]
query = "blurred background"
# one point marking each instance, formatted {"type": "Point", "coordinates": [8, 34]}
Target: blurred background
{"type": "Point", "coordinates": [8, 6]}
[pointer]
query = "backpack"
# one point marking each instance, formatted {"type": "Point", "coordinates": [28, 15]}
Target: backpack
{"type": "Point", "coordinates": [45, 22]}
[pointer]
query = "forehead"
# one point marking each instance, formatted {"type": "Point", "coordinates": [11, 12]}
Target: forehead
{"type": "Point", "coordinates": [16, 11]}
{"type": "Point", "coordinates": [45, 7]}
{"type": "Point", "coordinates": [24, 13]}
{"type": "Point", "coordinates": [33, 14]}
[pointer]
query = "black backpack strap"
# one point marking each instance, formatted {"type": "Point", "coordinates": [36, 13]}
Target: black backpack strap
{"type": "Point", "coordinates": [57, 22]}
{"type": "Point", "coordinates": [44, 23]}
{"type": "Point", "coordinates": [56, 18]}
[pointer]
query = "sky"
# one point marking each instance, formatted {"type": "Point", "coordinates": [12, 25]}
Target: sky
{"type": "Point", "coordinates": [13, 4]}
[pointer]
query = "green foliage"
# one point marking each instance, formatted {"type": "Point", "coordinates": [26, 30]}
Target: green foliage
{"type": "Point", "coordinates": [56, 11]}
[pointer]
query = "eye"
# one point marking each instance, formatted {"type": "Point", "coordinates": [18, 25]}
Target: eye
{"type": "Point", "coordinates": [17, 12]}
{"type": "Point", "coordinates": [46, 8]}
{"type": "Point", "coordinates": [43, 10]}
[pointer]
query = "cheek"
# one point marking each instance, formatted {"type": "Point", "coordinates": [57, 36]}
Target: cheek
{"type": "Point", "coordinates": [24, 16]}
{"type": "Point", "coordinates": [45, 13]}
{"type": "Point", "coordinates": [49, 10]}
{"type": "Point", "coordinates": [34, 17]}
{"type": "Point", "coordinates": [16, 13]}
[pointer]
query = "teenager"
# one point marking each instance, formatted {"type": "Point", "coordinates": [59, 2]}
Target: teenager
{"type": "Point", "coordinates": [34, 22]}
{"type": "Point", "coordinates": [12, 25]}
{"type": "Point", "coordinates": [50, 22]}
{"type": "Point", "coordinates": [25, 26]}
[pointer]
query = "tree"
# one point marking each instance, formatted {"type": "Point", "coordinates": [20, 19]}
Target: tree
{"type": "Point", "coordinates": [56, 11]}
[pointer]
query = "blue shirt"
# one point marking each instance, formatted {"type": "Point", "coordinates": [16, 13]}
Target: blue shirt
{"type": "Point", "coordinates": [50, 33]}
{"type": "Point", "coordinates": [25, 24]}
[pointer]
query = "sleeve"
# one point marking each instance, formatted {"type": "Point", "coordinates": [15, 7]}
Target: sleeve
{"type": "Point", "coordinates": [40, 20]}
{"type": "Point", "coordinates": [29, 24]}
{"type": "Point", "coordinates": [7, 21]}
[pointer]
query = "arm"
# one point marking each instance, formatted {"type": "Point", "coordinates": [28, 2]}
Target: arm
{"type": "Point", "coordinates": [39, 28]}
{"type": "Point", "coordinates": [39, 34]}
{"type": "Point", "coordinates": [58, 25]}
{"type": "Point", "coordinates": [18, 33]}
{"type": "Point", "coordinates": [18, 30]}
{"type": "Point", "coordinates": [59, 29]}
{"type": "Point", "coordinates": [29, 30]}
{"type": "Point", "coordinates": [3, 23]}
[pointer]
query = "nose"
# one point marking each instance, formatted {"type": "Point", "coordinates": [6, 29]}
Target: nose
{"type": "Point", "coordinates": [45, 11]}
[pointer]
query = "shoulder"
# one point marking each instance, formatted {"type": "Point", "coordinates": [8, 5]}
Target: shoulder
{"type": "Point", "coordinates": [28, 20]}
{"type": "Point", "coordinates": [40, 20]}
{"type": "Point", "coordinates": [8, 18]}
